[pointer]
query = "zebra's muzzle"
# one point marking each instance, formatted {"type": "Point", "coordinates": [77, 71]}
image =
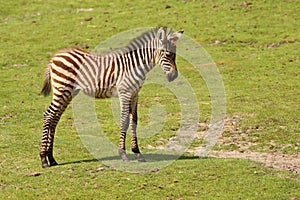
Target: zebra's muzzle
{"type": "Point", "coordinates": [172, 75]}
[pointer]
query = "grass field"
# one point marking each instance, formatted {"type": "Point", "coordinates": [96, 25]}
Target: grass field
{"type": "Point", "coordinates": [255, 45]}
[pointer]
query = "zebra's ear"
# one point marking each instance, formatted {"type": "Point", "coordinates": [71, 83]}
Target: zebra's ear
{"type": "Point", "coordinates": [161, 33]}
{"type": "Point", "coordinates": [173, 37]}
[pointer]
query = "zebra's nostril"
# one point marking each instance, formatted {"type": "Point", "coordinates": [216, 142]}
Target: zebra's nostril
{"type": "Point", "coordinates": [172, 76]}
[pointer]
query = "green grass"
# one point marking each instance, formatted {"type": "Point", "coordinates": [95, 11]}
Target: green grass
{"type": "Point", "coordinates": [189, 178]}
{"type": "Point", "coordinates": [257, 54]}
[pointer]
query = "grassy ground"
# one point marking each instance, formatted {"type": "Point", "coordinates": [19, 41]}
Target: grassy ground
{"type": "Point", "coordinates": [255, 46]}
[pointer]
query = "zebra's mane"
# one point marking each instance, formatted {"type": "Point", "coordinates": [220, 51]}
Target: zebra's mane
{"type": "Point", "coordinates": [138, 42]}
{"type": "Point", "coordinates": [155, 33]}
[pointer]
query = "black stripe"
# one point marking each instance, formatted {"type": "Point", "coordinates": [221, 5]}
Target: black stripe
{"type": "Point", "coordinates": [64, 67]}
{"type": "Point", "coordinates": [70, 60]}
{"type": "Point", "coordinates": [63, 83]}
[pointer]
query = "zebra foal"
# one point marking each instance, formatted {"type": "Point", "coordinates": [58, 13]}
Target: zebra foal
{"type": "Point", "coordinates": [119, 73]}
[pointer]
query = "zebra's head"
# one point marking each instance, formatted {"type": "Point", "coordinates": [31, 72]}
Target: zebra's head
{"type": "Point", "coordinates": [166, 52]}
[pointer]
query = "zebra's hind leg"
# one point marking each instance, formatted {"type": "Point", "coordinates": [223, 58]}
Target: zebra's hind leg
{"type": "Point", "coordinates": [48, 139]}
{"type": "Point", "coordinates": [51, 159]}
{"type": "Point", "coordinates": [51, 118]}
{"type": "Point", "coordinates": [45, 138]}
{"type": "Point", "coordinates": [135, 149]}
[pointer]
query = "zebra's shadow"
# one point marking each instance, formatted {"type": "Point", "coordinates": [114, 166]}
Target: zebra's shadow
{"type": "Point", "coordinates": [150, 157]}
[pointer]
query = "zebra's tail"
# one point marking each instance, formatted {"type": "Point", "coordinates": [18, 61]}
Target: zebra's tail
{"type": "Point", "coordinates": [47, 83]}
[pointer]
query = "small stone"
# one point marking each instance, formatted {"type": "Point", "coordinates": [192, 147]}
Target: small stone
{"type": "Point", "coordinates": [88, 19]}
{"type": "Point", "coordinates": [97, 186]}
{"type": "Point", "coordinates": [34, 174]}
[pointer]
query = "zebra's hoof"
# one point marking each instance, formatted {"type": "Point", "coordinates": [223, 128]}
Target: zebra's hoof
{"type": "Point", "coordinates": [53, 163]}
{"type": "Point", "coordinates": [45, 165]}
{"type": "Point", "coordinates": [52, 160]}
{"type": "Point", "coordinates": [44, 161]}
{"type": "Point", "coordinates": [123, 155]}
{"type": "Point", "coordinates": [140, 157]}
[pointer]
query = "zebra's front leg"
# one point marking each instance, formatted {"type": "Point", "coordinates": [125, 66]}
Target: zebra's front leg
{"type": "Point", "coordinates": [122, 149]}
{"type": "Point", "coordinates": [124, 124]}
{"type": "Point", "coordinates": [133, 123]}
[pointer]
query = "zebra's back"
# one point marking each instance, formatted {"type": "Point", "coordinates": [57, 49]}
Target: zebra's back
{"type": "Point", "coordinates": [76, 69]}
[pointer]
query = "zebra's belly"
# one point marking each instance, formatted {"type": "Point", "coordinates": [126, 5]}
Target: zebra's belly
{"type": "Point", "coordinates": [106, 92]}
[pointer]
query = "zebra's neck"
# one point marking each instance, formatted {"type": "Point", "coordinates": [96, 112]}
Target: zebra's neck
{"type": "Point", "coordinates": [139, 58]}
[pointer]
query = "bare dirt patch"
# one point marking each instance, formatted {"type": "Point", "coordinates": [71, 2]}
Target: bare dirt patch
{"type": "Point", "coordinates": [271, 160]}
{"type": "Point", "coordinates": [241, 142]}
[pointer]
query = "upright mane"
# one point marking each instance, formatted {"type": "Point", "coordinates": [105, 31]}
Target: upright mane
{"type": "Point", "coordinates": [138, 42]}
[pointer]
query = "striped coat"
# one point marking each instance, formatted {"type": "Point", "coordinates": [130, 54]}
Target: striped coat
{"type": "Point", "coordinates": [119, 73]}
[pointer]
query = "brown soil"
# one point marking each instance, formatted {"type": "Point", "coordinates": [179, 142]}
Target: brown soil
{"type": "Point", "coordinates": [243, 142]}
{"type": "Point", "coordinates": [272, 160]}
{"type": "Point", "coordinates": [270, 156]}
